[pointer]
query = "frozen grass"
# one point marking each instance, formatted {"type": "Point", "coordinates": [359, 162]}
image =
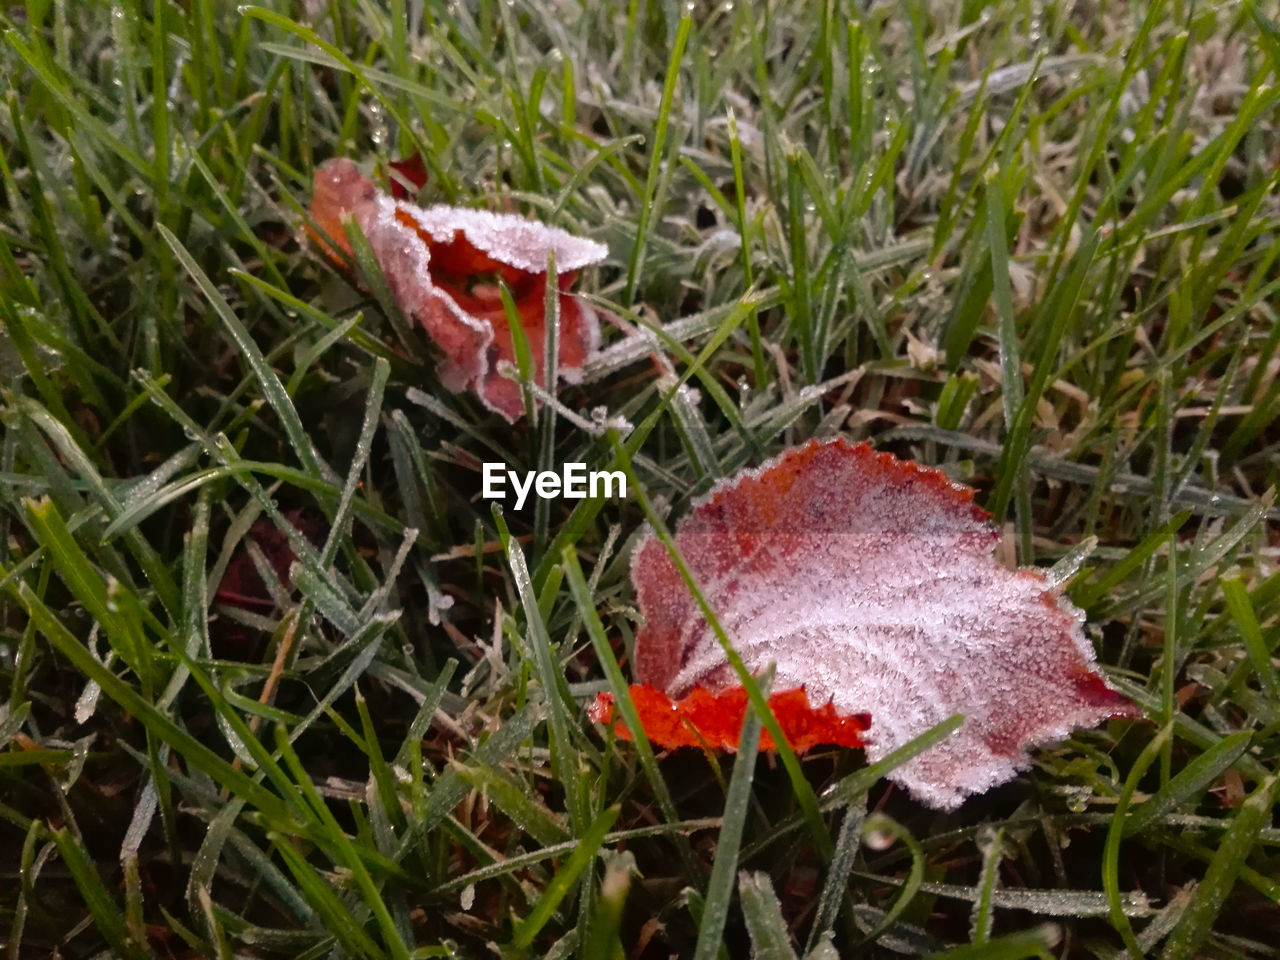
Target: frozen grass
{"type": "Point", "coordinates": [1033, 244]}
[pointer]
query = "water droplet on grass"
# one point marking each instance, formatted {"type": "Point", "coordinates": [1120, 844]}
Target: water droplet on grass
{"type": "Point", "coordinates": [878, 839]}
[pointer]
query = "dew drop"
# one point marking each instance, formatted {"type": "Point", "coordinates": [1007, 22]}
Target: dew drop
{"type": "Point", "coordinates": [878, 839]}
{"type": "Point", "coordinates": [1078, 799]}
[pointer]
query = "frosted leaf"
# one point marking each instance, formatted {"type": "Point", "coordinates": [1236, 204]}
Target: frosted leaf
{"type": "Point", "coordinates": [340, 189]}
{"type": "Point", "coordinates": [870, 582]}
{"type": "Point", "coordinates": [510, 239]}
{"type": "Point", "coordinates": [442, 264]}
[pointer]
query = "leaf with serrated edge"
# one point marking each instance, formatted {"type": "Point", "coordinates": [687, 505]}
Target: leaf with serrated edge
{"type": "Point", "coordinates": [870, 582]}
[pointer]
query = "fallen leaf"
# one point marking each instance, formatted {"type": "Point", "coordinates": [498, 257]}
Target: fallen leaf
{"type": "Point", "coordinates": [443, 265]}
{"type": "Point", "coordinates": [869, 583]}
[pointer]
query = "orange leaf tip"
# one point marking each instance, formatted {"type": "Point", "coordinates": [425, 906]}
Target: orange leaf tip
{"type": "Point", "coordinates": [714, 720]}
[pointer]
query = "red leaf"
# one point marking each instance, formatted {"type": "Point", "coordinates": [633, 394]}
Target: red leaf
{"type": "Point", "coordinates": [870, 582]}
{"type": "Point", "coordinates": [241, 584]}
{"type": "Point", "coordinates": [714, 720]}
{"type": "Point", "coordinates": [412, 171]}
{"type": "Point", "coordinates": [442, 265]}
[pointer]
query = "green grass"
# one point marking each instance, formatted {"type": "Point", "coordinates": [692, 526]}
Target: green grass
{"type": "Point", "coordinates": [1032, 246]}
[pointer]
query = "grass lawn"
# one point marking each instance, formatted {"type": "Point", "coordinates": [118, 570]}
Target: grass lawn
{"type": "Point", "coordinates": [276, 682]}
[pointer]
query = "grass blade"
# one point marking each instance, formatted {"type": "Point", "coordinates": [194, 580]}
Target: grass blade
{"type": "Point", "coordinates": [566, 878]}
{"type": "Point", "coordinates": [763, 913]}
{"type": "Point", "coordinates": [715, 911]}
{"type": "Point", "coordinates": [1240, 838]}
{"type": "Point", "coordinates": [271, 386]}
